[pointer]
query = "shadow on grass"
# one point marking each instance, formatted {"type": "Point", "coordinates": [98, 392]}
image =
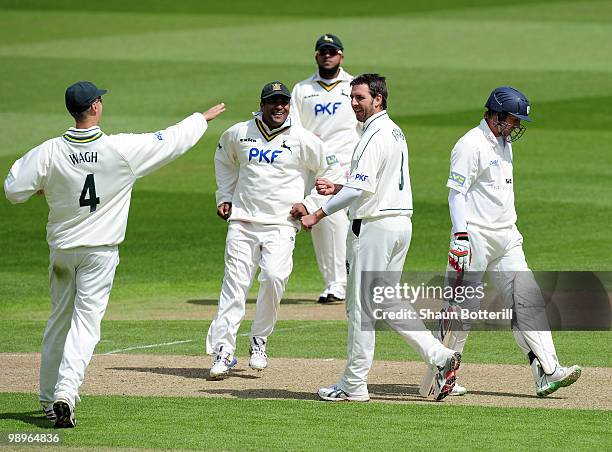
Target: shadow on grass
{"type": "Point", "coordinates": [215, 301]}
{"type": "Point", "coordinates": [384, 391]}
{"type": "Point", "coordinates": [185, 372]}
{"type": "Point", "coordinates": [262, 393]}
{"type": "Point", "coordinates": [35, 418]}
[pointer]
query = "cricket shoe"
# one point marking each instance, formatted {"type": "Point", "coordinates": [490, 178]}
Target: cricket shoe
{"type": "Point", "coordinates": [458, 390]}
{"type": "Point", "coordinates": [329, 299]}
{"type": "Point", "coordinates": [335, 394]}
{"type": "Point", "coordinates": [64, 414]}
{"type": "Point", "coordinates": [561, 377]}
{"type": "Point", "coordinates": [222, 364]}
{"type": "Point", "coordinates": [259, 359]}
{"type": "Point", "coordinates": [444, 381]}
{"type": "Point", "coordinates": [48, 410]}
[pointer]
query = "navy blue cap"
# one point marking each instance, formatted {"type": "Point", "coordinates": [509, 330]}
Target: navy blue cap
{"type": "Point", "coordinates": [81, 95]}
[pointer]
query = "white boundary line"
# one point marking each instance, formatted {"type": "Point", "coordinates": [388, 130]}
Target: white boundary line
{"type": "Point", "coordinates": [163, 344]}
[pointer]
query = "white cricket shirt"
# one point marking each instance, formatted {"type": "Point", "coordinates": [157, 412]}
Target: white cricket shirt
{"type": "Point", "coordinates": [324, 107]}
{"type": "Point", "coordinates": [263, 172]}
{"type": "Point", "coordinates": [481, 168]}
{"type": "Point", "coordinates": [379, 167]}
{"type": "Point", "coordinates": [87, 177]}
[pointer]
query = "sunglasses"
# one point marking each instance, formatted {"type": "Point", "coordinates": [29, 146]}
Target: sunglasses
{"type": "Point", "coordinates": [329, 51]}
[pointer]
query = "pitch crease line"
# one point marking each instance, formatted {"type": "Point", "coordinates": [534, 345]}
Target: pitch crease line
{"type": "Point", "coordinates": [138, 347]}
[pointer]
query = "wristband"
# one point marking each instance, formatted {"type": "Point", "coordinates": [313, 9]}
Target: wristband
{"type": "Point", "coordinates": [462, 236]}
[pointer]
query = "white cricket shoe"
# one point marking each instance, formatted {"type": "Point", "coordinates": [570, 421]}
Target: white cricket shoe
{"type": "Point", "coordinates": [561, 377]}
{"type": "Point", "coordinates": [335, 394]}
{"type": "Point", "coordinates": [444, 381]}
{"type": "Point", "coordinates": [458, 390]}
{"type": "Point", "coordinates": [222, 364]}
{"type": "Point", "coordinates": [259, 359]}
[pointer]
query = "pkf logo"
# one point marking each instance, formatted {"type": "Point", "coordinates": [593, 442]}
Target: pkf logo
{"type": "Point", "coordinates": [329, 108]}
{"type": "Point", "coordinates": [264, 155]}
{"type": "Point", "coordinates": [361, 177]}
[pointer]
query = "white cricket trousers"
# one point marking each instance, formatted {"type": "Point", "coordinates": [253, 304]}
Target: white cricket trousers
{"type": "Point", "coordinates": [329, 242]}
{"type": "Point", "coordinates": [499, 252]}
{"type": "Point", "coordinates": [250, 246]}
{"type": "Point", "coordinates": [80, 282]}
{"type": "Point", "coordinates": [382, 245]}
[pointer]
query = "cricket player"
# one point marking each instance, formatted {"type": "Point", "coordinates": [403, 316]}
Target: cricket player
{"type": "Point", "coordinates": [379, 199]}
{"type": "Point", "coordinates": [87, 179]}
{"type": "Point", "coordinates": [262, 168]}
{"type": "Point", "coordinates": [485, 236]}
{"type": "Point", "coordinates": [322, 104]}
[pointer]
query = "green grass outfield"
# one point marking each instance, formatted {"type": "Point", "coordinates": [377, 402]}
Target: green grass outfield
{"type": "Point", "coordinates": [163, 60]}
{"type": "Point", "coordinates": [216, 424]}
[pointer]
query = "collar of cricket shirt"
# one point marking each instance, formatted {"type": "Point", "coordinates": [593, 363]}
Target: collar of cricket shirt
{"type": "Point", "coordinates": [266, 132]}
{"type": "Point", "coordinates": [373, 118]}
{"type": "Point", "coordinates": [486, 131]}
{"type": "Point", "coordinates": [74, 135]}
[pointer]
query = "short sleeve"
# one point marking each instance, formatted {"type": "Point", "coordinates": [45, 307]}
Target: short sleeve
{"type": "Point", "coordinates": [463, 166]}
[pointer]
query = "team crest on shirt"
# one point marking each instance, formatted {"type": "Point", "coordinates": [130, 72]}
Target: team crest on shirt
{"type": "Point", "coordinates": [284, 145]}
{"type": "Point", "coordinates": [457, 178]}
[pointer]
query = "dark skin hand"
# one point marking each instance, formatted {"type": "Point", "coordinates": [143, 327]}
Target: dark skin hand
{"type": "Point", "coordinates": [298, 211]}
{"type": "Point", "coordinates": [224, 210]}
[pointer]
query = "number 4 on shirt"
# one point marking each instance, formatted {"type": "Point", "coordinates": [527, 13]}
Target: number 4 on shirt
{"type": "Point", "coordinates": [89, 189]}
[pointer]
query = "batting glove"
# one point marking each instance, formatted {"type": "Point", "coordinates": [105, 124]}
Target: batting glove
{"type": "Point", "coordinates": [459, 255]}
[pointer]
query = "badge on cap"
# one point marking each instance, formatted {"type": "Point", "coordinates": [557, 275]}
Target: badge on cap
{"type": "Point", "coordinates": [276, 86]}
{"type": "Point", "coordinates": [327, 38]}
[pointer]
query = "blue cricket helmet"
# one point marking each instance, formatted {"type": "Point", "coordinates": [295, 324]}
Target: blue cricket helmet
{"type": "Point", "coordinates": [509, 100]}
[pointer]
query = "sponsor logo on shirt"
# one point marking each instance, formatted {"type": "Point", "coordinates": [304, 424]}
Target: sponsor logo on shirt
{"type": "Point", "coordinates": [328, 108]}
{"type": "Point", "coordinates": [311, 95]}
{"type": "Point", "coordinates": [264, 155]}
{"type": "Point", "coordinates": [331, 159]}
{"type": "Point", "coordinates": [508, 181]}
{"type": "Point", "coordinates": [494, 163]}
{"type": "Point", "coordinates": [457, 178]}
{"type": "Point", "coordinates": [398, 135]}
{"type": "Point", "coordinates": [248, 140]}
{"type": "Point", "coordinates": [361, 177]}
{"type": "Point", "coordinates": [159, 136]}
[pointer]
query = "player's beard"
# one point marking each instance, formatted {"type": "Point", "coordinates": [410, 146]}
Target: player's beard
{"type": "Point", "coordinates": [330, 73]}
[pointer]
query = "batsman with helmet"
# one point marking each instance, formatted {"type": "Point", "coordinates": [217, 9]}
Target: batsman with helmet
{"type": "Point", "coordinates": [485, 239]}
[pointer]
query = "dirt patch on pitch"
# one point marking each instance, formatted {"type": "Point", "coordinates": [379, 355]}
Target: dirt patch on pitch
{"type": "Point", "coordinates": [390, 381]}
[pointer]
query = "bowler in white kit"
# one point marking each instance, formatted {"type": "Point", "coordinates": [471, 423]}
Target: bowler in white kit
{"type": "Point", "coordinates": [87, 179]}
{"type": "Point", "coordinates": [379, 199]}
{"type": "Point", "coordinates": [322, 104]}
{"type": "Point", "coordinates": [262, 167]}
